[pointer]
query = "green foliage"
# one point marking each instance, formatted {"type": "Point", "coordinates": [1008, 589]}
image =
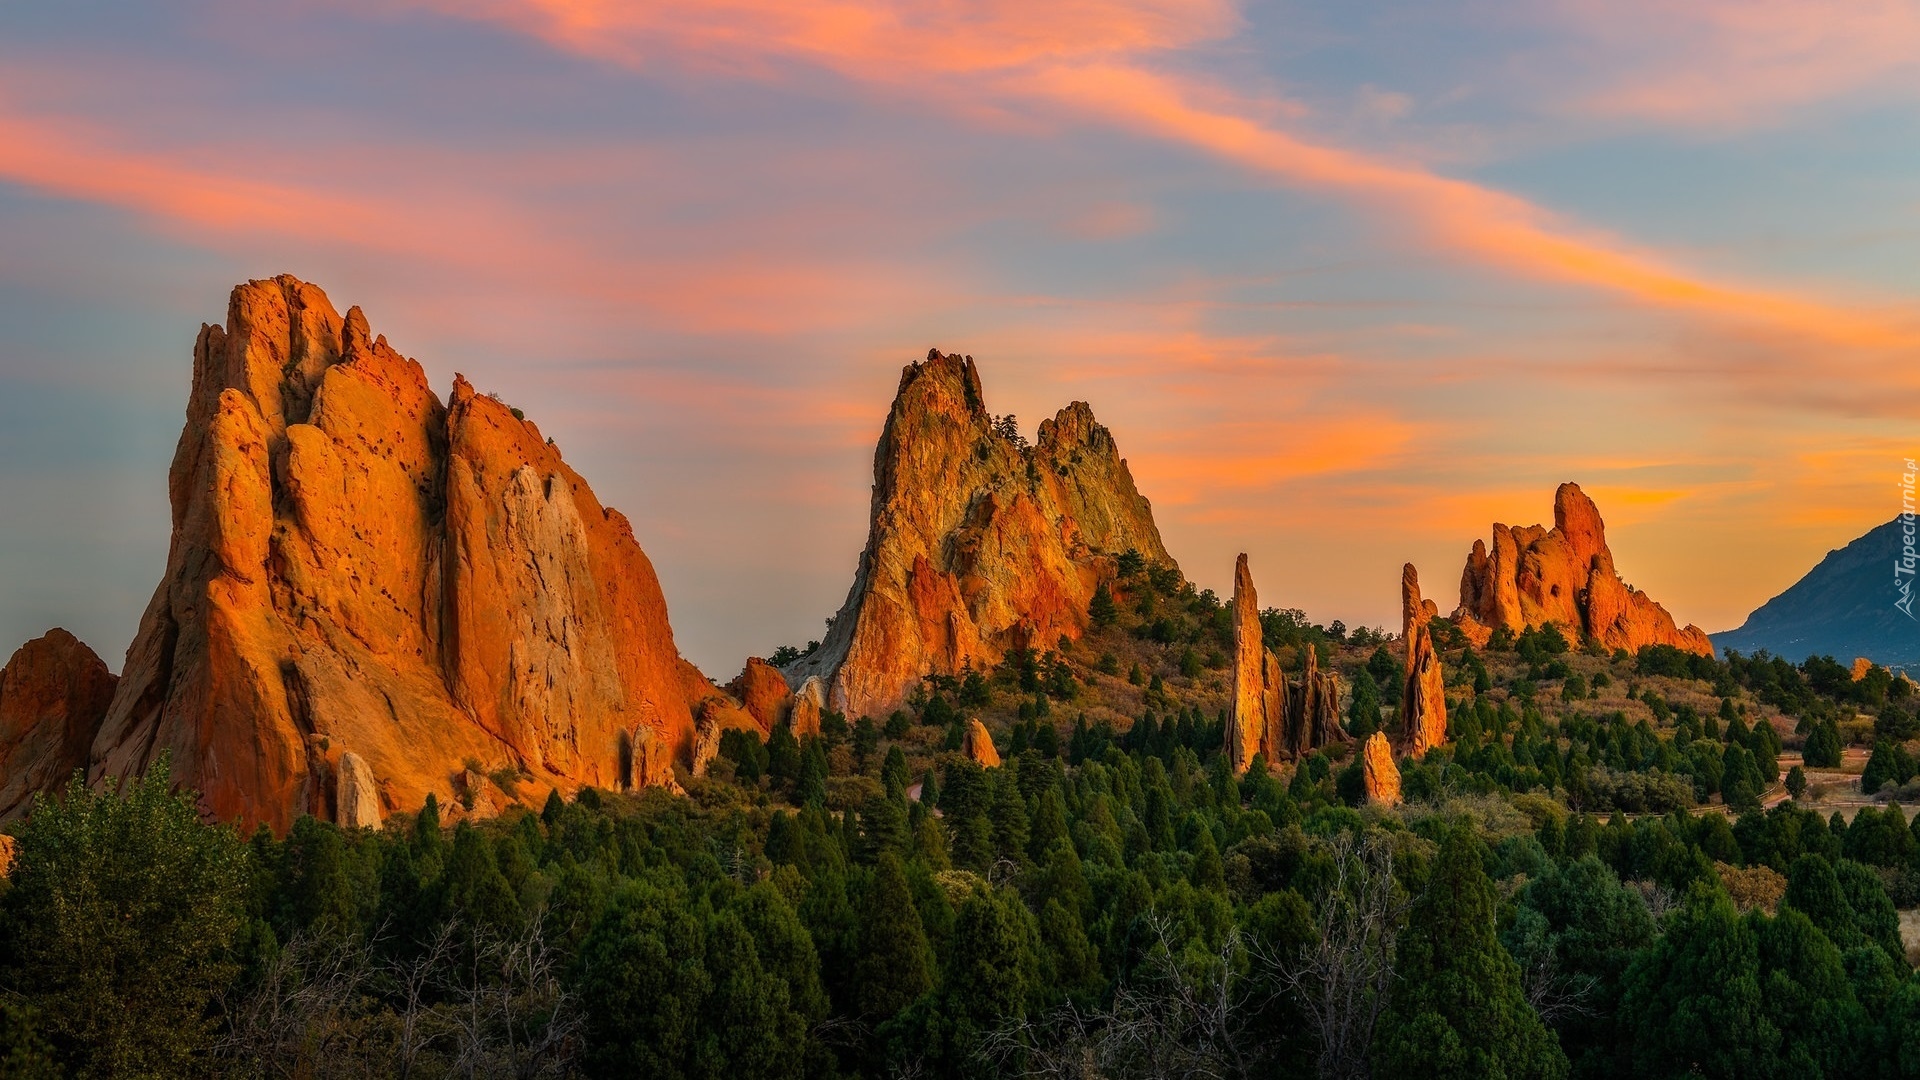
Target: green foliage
{"type": "Point", "coordinates": [1363, 711]}
{"type": "Point", "coordinates": [120, 920]}
{"type": "Point", "coordinates": [1823, 746]}
{"type": "Point", "coordinates": [1102, 610]}
{"type": "Point", "coordinates": [1457, 1010]}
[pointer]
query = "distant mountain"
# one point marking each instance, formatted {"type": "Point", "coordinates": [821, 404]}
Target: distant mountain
{"type": "Point", "coordinates": [1843, 608]}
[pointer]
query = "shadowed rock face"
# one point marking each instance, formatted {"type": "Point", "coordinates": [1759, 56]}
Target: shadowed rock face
{"type": "Point", "coordinates": [977, 544]}
{"type": "Point", "coordinates": [1423, 702]}
{"type": "Point", "coordinates": [359, 568]}
{"type": "Point", "coordinates": [53, 694]}
{"type": "Point", "coordinates": [1563, 575]}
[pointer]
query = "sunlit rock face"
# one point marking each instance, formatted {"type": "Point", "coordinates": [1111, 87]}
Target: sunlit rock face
{"type": "Point", "coordinates": [359, 568]}
{"type": "Point", "coordinates": [978, 543]}
{"type": "Point", "coordinates": [1423, 701]}
{"type": "Point", "coordinates": [1278, 718]}
{"type": "Point", "coordinates": [53, 694]}
{"type": "Point", "coordinates": [1564, 575]}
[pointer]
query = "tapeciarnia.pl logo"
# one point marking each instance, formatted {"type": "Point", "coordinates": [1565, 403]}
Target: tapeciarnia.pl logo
{"type": "Point", "coordinates": [1903, 567]}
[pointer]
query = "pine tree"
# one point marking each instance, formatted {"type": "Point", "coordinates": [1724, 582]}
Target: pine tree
{"type": "Point", "coordinates": [1456, 1009]}
{"type": "Point", "coordinates": [1363, 713]}
{"type": "Point", "coordinates": [895, 963]}
{"type": "Point", "coordinates": [1103, 611]}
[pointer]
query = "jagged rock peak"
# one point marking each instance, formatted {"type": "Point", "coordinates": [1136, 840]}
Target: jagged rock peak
{"type": "Point", "coordinates": [53, 693]}
{"type": "Point", "coordinates": [977, 541]}
{"type": "Point", "coordinates": [359, 569]}
{"type": "Point", "coordinates": [1564, 575]}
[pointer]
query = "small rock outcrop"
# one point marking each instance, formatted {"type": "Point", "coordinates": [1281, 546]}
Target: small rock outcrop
{"type": "Point", "coordinates": [1378, 772]}
{"type": "Point", "coordinates": [1563, 575]}
{"type": "Point", "coordinates": [355, 563]}
{"type": "Point", "coordinates": [53, 694]}
{"type": "Point", "coordinates": [357, 800]}
{"type": "Point", "coordinates": [978, 543]}
{"type": "Point", "coordinates": [8, 847]}
{"type": "Point", "coordinates": [1280, 718]}
{"type": "Point", "coordinates": [763, 692]}
{"type": "Point", "coordinates": [1259, 722]}
{"type": "Point", "coordinates": [979, 745]}
{"type": "Point", "coordinates": [809, 705]}
{"type": "Point", "coordinates": [1861, 666]}
{"type": "Point", "coordinates": [1423, 701]}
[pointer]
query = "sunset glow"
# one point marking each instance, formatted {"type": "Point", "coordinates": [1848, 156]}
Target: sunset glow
{"type": "Point", "coordinates": [1348, 286]}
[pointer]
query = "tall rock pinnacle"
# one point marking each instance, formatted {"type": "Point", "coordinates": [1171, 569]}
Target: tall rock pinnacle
{"type": "Point", "coordinates": [1423, 703]}
{"type": "Point", "coordinates": [361, 573]}
{"type": "Point", "coordinates": [1273, 716]}
{"type": "Point", "coordinates": [977, 542]}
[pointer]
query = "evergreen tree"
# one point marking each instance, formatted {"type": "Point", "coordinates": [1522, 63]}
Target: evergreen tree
{"type": "Point", "coordinates": [1363, 712]}
{"type": "Point", "coordinates": [1693, 1004]}
{"type": "Point", "coordinates": [1823, 747]}
{"type": "Point", "coordinates": [895, 965]}
{"type": "Point", "coordinates": [1102, 610]}
{"type": "Point", "coordinates": [118, 922]}
{"type": "Point", "coordinates": [643, 980]}
{"type": "Point", "coordinates": [1456, 1009]}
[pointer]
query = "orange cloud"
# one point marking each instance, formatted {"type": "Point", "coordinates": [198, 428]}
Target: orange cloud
{"type": "Point", "coordinates": [1091, 56]}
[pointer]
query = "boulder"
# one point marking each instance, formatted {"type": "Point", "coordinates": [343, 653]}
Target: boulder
{"type": "Point", "coordinates": [809, 704]}
{"type": "Point", "coordinates": [1423, 702]}
{"type": "Point", "coordinates": [354, 559]}
{"type": "Point", "coordinates": [763, 692]}
{"type": "Point", "coordinates": [1565, 575]}
{"type": "Point", "coordinates": [977, 542]}
{"type": "Point", "coordinates": [357, 799]}
{"type": "Point", "coordinates": [1377, 770]}
{"type": "Point", "coordinates": [979, 744]}
{"type": "Point", "coordinates": [53, 694]}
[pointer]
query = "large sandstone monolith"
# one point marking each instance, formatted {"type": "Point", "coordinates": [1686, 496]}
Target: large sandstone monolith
{"type": "Point", "coordinates": [356, 564]}
{"type": "Point", "coordinates": [979, 744]}
{"type": "Point", "coordinates": [1378, 772]}
{"type": "Point", "coordinates": [1563, 575]}
{"type": "Point", "coordinates": [977, 543]}
{"type": "Point", "coordinates": [53, 694]}
{"type": "Point", "coordinates": [1259, 690]}
{"type": "Point", "coordinates": [1423, 701]}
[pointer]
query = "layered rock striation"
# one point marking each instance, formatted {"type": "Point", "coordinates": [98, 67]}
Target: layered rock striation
{"type": "Point", "coordinates": [1564, 575]}
{"type": "Point", "coordinates": [53, 694]}
{"type": "Point", "coordinates": [369, 586]}
{"type": "Point", "coordinates": [978, 543]}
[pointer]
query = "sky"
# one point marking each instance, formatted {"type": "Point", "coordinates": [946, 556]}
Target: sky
{"type": "Point", "coordinates": [1348, 281]}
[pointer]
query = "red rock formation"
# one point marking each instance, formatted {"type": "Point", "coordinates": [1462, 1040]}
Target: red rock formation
{"type": "Point", "coordinates": [1259, 690]}
{"type": "Point", "coordinates": [1861, 666]}
{"type": "Point", "coordinates": [763, 692]}
{"type": "Point", "coordinates": [979, 744]}
{"type": "Point", "coordinates": [1273, 716]}
{"type": "Point", "coordinates": [977, 543]}
{"type": "Point", "coordinates": [1378, 772]}
{"type": "Point", "coordinates": [1563, 575]}
{"type": "Point", "coordinates": [356, 567]}
{"type": "Point", "coordinates": [53, 694]}
{"type": "Point", "coordinates": [8, 848]}
{"type": "Point", "coordinates": [1313, 709]}
{"type": "Point", "coordinates": [809, 705]}
{"type": "Point", "coordinates": [1423, 701]}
